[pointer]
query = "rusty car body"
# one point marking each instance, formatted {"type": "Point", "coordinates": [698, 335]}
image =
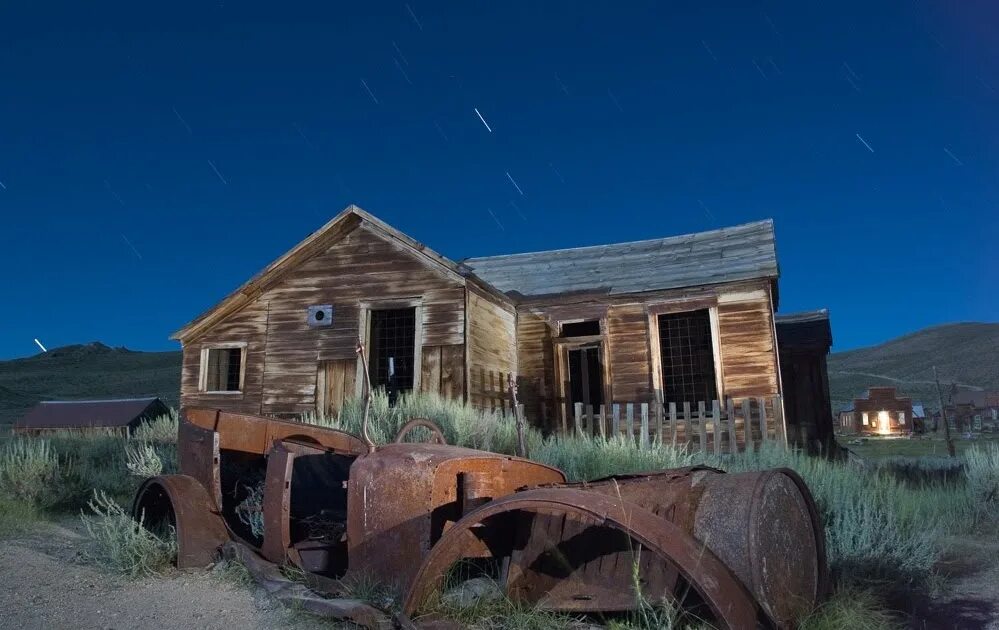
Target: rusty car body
{"type": "Point", "coordinates": [745, 550]}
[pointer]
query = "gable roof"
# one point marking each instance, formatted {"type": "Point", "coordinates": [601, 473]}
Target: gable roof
{"type": "Point", "coordinates": [729, 254]}
{"type": "Point", "coordinates": [84, 414]}
{"type": "Point", "coordinates": [317, 242]}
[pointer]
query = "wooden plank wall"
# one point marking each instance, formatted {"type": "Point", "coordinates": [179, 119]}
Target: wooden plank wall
{"type": "Point", "coordinates": [492, 348]}
{"type": "Point", "coordinates": [535, 361]}
{"type": "Point", "coordinates": [746, 341]}
{"type": "Point", "coordinates": [627, 339]}
{"type": "Point", "coordinates": [283, 351]}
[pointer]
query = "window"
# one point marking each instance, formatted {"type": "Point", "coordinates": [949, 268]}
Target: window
{"type": "Point", "coordinates": [222, 369]}
{"type": "Point", "coordinates": [901, 417]}
{"type": "Point", "coordinates": [393, 350]}
{"type": "Point", "coordinates": [865, 420]}
{"type": "Point", "coordinates": [687, 354]}
{"type": "Point", "coordinates": [587, 328]}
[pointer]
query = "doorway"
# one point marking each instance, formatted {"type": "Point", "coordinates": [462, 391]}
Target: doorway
{"type": "Point", "coordinates": [392, 350]}
{"type": "Point", "coordinates": [586, 375]}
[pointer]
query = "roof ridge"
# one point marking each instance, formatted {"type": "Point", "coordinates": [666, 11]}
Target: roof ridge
{"type": "Point", "coordinates": [662, 239]}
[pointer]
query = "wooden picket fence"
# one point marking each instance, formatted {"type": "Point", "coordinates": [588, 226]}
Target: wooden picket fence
{"type": "Point", "coordinates": [715, 426]}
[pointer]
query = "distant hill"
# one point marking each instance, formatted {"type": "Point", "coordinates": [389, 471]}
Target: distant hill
{"type": "Point", "coordinates": [82, 371]}
{"type": "Point", "coordinates": [966, 353]}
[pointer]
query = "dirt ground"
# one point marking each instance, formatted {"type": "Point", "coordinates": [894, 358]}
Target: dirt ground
{"type": "Point", "coordinates": [46, 584]}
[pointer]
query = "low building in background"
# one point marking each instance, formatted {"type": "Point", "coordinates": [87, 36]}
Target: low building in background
{"type": "Point", "coordinates": [882, 412]}
{"type": "Point", "coordinates": [121, 415]}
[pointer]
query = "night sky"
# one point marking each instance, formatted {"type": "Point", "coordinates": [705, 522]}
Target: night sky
{"type": "Point", "coordinates": [154, 156]}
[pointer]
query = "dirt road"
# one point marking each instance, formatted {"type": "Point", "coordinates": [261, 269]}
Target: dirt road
{"type": "Point", "coordinates": [45, 584]}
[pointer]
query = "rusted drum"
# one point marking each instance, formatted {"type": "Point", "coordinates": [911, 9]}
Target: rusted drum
{"type": "Point", "coordinates": [763, 525]}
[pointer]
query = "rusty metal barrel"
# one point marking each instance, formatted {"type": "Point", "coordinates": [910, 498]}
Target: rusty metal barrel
{"type": "Point", "coordinates": [763, 525]}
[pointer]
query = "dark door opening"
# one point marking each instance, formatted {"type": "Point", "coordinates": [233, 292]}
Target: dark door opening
{"type": "Point", "coordinates": [586, 376]}
{"type": "Point", "coordinates": [688, 358]}
{"type": "Point", "coordinates": [393, 350]}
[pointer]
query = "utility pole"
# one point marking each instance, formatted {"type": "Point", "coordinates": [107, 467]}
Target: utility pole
{"type": "Point", "coordinates": [943, 415]}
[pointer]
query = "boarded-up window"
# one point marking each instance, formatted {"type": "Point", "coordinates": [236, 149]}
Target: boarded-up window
{"type": "Point", "coordinates": [393, 349]}
{"type": "Point", "coordinates": [223, 369]}
{"type": "Point", "coordinates": [688, 359]}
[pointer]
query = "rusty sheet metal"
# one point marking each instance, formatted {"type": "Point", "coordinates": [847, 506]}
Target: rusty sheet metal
{"type": "Point", "coordinates": [748, 520]}
{"type": "Point", "coordinates": [728, 600]}
{"type": "Point", "coordinates": [181, 501]}
{"type": "Point", "coordinates": [402, 497]}
{"type": "Point", "coordinates": [436, 435]}
{"type": "Point", "coordinates": [255, 434]}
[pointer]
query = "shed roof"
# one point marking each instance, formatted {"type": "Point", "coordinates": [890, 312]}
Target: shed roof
{"type": "Point", "coordinates": [807, 329]}
{"type": "Point", "coordinates": [729, 254]}
{"type": "Point", "coordinates": [84, 414]}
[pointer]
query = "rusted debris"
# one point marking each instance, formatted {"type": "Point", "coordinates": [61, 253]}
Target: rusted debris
{"type": "Point", "coordinates": [741, 550]}
{"type": "Point", "coordinates": [436, 435]}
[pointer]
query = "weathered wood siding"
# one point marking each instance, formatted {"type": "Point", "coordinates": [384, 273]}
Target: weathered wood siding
{"type": "Point", "coordinates": [492, 348]}
{"type": "Point", "coordinates": [284, 353]}
{"type": "Point", "coordinates": [627, 340]}
{"type": "Point", "coordinates": [747, 344]}
{"type": "Point", "coordinates": [535, 362]}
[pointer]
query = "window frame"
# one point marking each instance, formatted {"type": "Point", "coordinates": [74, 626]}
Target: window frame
{"type": "Point", "coordinates": [364, 331]}
{"type": "Point", "coordinates": [656, 309]}
{"type": "Point", "coordinates": [203, 369]}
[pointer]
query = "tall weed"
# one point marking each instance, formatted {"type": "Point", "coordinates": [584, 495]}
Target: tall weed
{"type": "Point", "coordinates": [124, 545]}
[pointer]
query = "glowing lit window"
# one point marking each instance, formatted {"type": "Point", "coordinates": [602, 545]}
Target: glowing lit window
{"type": "Point", "coordinates": [901, 417]}
{"type": "Point", "coordinates": [864, 417]}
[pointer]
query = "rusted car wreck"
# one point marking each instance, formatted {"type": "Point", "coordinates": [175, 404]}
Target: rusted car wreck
{"type": "Point", "coordinates": [746, 550]}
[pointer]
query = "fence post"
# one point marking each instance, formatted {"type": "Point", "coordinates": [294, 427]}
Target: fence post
{"type": "Point", "coordinates": [616, 419]}
{"type": "Point", "coordinates": [603, 421]}
{"type": "Point", "coordinates": [779, 420]}
{"type": "Point", "coordinates": [563, 413]}
{"type": "Point", "coordinates": [716, 424]}
{"type": "Point", "coordinates": [643, 440]}
{"type": "Point", "coordinates": [702, 426]}
{"type": "Point", "coordinates": [762, 404]}
{"type": "Point", "coordinates": [672, 420]}
{"type": "Point", "coordinates": [733, 437]}
{"type": "Point", "coordinates": [588, 427]}
{"type": "Point", "coordinates": [688, 432]}
{"type": "Point", "coordinates": [660, 436]}
{"type": "Point", "coordinates": [629, 420]}
{"type": "Point", "coordinates": [579, 418]}
{"type": "Point", "coordinates": [747, 414]}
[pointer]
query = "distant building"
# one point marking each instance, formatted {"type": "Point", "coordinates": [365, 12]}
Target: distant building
{"type": "Point", "coordinates": [845, 419]}
{"type": "Point", "coordinates": [803, 341]}
{"type": "Point", "coordinates": [882, 412]}
{"type": "Point", "coordinates": [122, 415]}
{"type": "Point", "coordinates": [974, 411]}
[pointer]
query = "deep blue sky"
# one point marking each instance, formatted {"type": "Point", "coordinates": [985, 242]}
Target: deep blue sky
{"type": "Point", "coordinates": [618, 121]}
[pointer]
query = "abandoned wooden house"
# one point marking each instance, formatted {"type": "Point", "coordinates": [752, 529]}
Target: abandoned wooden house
{"type": "Point", "coordinates": [881, 412]}
{"type": "Point", "coordinates": [120, 415]}
{"type": "Point", "coordinates": [685, 320]}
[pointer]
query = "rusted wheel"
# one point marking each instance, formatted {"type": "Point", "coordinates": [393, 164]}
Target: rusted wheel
{"type": "Point", "coordinates": [181, 502]}
{"type": "Point", "coordinates": [436, 435]}
{"type": "Point", "coordinates": [490, 530]}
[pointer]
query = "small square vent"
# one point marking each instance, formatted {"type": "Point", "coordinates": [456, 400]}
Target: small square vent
{"type": "Point", "coordinates": [320, 315]}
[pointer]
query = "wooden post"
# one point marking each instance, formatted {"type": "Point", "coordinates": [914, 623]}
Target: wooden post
{"type": "Point", "coordinates": [733, 436]}
{"type": "Point", "coordinates": [747, 415]}
{"type": "Point", "coordinates": [579, 418]}
{"type": "Point", "coordinates": [702, 426]}
{"type": "Point", "coordinates": [518, 409]}
{"type": "Point", "coordinates": [603, 422]}
{"type": "Point", "coordinates": [588, 421]}
{"type": "Point", "coordinates": [660, 436]}
{"type": "Point", "coordinates": [629, 419]}
{"type": "Point", "coordinates": [943, 415]}
{"type": "Point", "coordinates": [643, 439]}
{"type": "Point", "coordinates": [616, 419]}
{"type": "Point", "coordinates": [716, 425]}
{"type": "Point", "coordinates": [672, 420]}
{"type": "Point", "coordinates": [688, 433]}
{"type": "Point", "coordinates": [779, 421]}
{"type": "Point", "coordinates": [762, 402]}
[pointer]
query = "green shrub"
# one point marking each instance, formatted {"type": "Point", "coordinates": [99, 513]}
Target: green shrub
{"type": "Point", "coordinates": [124, 545]}
{"type": "Point", "coordinates": [142, 460]}
{"type": "Point", "coordinates": [982, 472]}
{"type": "Point", "coordinates": [162, 429]}
{"type": "Point", "coordinates": [16, 516]}
{"type": "Point", "coordinates": [853, 609]}
{"type": "Point", "coordinates": [29, 472]}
